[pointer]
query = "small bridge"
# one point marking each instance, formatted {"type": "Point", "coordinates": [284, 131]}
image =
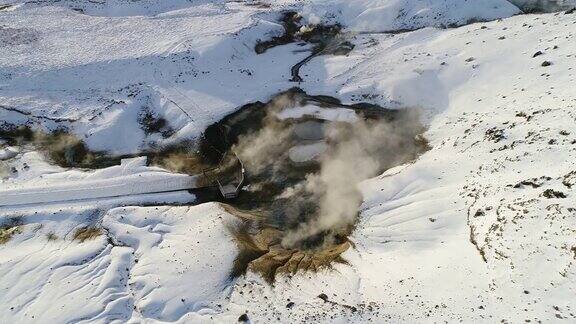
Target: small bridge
{"type": "Point", "coordinates": [228, 176]}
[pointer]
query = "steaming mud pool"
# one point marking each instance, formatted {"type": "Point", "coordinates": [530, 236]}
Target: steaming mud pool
{"type": "Point", "coordinates": [304, 156]}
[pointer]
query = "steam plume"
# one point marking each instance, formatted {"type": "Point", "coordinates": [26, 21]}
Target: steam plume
{"type": "Point", "coordinates": [359, 153]}
{"type": "Point", "coordinates": [325, 203]}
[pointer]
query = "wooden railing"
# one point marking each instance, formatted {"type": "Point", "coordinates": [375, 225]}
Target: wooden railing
{"type": "Point", "coordinates": [229, 187]}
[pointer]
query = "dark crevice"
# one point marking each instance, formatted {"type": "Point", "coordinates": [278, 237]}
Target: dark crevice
{"type": "Point", "coordinates": [325, 40]}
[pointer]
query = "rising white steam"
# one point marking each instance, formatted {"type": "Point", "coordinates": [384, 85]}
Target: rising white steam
{"type": "Point", "coordinates": [360, 151]}
{"type": "Point", "coordinates": [327, 201]}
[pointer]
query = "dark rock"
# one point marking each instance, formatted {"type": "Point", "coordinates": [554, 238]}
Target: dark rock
{"type": "Point", "coordinates": [323, 297]}
{"type": "Point", "coordinates": [538, 54]}
{"type": "Point", "coordinates": [534, 182]}
{"type": "Point", "coordinates": [550, 193]}
{"type": "Point", "coordinates": [495, 134]}
{"type": "Point", "coordinates": [290, 305]}
{"type": "Point", "coordinates": [546, 63]}
{"type": "Point", "coordinates": [570, 11]}
{"type": "Point", "coordinates": [243, 318]}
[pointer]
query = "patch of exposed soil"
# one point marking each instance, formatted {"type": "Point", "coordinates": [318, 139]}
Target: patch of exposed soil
{"type": "Point", "coordinates": [60, 146]}
{"type": "Point", "coordinates": [68, 151]}
{"type": "Point", "coordinates": [9, 228]}
{"type": "Point", "coordinates": [86, 233]}
{"type": "Point", "coordinates": [152, 123]}
{"type": "Point", "coordinates": [261, 251]}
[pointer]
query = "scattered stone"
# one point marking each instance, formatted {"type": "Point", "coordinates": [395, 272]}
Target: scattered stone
{"type": "Point", "coordinates": [569, 179]}
{"type": "Point", "coordinates": [323, 297]}
{"type": "Point", "coordinates": [290, 305]}
{"type": "Point", "coordinates": [534, 182]}
{"type": "Point", "coordinates": [243, 318]}
{"type": "Point", "coordinates": [546, 63]}
{"type": "Point", "coordinates": [537, 54]}
{"type": "Point", "coordinates": [550, 193]}
{"type": "Point", "coordinates": [494, 134]}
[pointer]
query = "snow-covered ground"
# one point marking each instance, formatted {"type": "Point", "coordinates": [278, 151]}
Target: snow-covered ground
{"type": "Point", "coordinates": [481, 228]}
{"type": "Point", "coordinates": [44, 183]}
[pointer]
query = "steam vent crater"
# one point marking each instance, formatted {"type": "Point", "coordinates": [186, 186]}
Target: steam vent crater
{"type": "Point", "coordinates": [303, 157]}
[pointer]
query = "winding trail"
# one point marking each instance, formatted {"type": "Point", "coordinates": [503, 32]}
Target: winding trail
{"type": "Point", "coordinates": [97, 189]}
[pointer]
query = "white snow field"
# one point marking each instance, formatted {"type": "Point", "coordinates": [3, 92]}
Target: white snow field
{"type": "Point", "coordinates": [480, 229]}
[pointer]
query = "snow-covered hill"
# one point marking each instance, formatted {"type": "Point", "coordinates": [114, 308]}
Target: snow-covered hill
{"type": "Point", "coordinates": [392, 15]}
{"type": "Point", "coordinates": [481, 228]}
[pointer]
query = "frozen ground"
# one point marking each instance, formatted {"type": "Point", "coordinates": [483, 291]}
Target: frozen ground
{"type": "Point", "coordinates": [479, 229]}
